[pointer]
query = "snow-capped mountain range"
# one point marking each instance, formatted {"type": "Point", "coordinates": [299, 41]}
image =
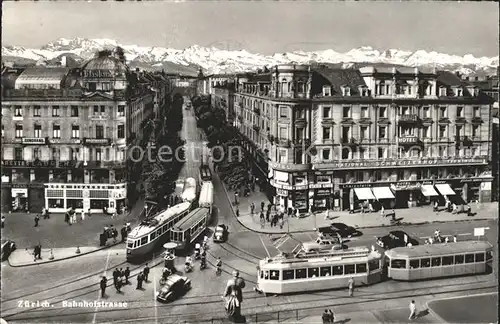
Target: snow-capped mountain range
{"type": "Point", "coordinates": [214, 60]}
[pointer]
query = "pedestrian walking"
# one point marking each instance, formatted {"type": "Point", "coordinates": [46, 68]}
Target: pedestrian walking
{"type": "Point", "coordinates": [350, 285]}
{"type": "Point", "coordinates": [327, 214]}
{"type": "Point", "coordinates": [262, 205]}
{"type": "Point", "coordinates": [237, 212]}
{"type": "Point", "coordinates": [236, 198]}
{"type": "Point", "coordinates": [37, 252]}
{"type": "Point", "coordinates": [382, 211]}
{"type": "Point", "coordinates": [3, 221]}
{"type": "Point", "coordinates": [115, 277]}
{"type": "Point", "coordinates": [103, 284]}
{"type": "Point", "coordinates": [325, 317]}
{"type": "Point", "coordinates": [89, 213]}
{"type": "Point", "coordinates": [446, 239]}
{"type": "Point", "coordinates": [37, 219]}
{"type": "Point", "coordinates": [413, 310]}
{"type": "Point", "coordinates": [267, 215]}
{"type": "Point", "coordinates": [146, 273]}
{"type": "Point", "coordinates": [82, 215]}
{"type": "Point", "coordinates": [123, 233]}
{"type": "Point", "coordinates": [454, 239]}
{"type": "Point", "coordinates": [252, 208]}
{"type": "Point", "coordinates": [127, 274]}
{"type": "Point", "coordinates": [140, 278]}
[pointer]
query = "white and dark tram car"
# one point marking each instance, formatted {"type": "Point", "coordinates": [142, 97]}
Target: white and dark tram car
{"type": "Point", "coordinates": [319, 271]}
{"type": "Point", "coordinates": [151, 233]}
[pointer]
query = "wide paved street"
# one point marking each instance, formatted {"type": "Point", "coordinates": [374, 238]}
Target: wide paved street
{"type": "Point", "coordinates": [77, 279]}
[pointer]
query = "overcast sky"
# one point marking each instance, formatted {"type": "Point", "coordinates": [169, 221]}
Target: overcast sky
{"type": "Point", "coordinates": [264, 27]}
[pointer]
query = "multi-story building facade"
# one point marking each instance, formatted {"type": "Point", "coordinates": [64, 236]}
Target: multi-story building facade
{"type": "Point", "coordinates": [206, 84]}
{"type": "Point", "coordinates": [223, 98]}
{"type": "Point", "coordinates": [64, 135]}
{"type": "Point", "coordinates": [330, 138]}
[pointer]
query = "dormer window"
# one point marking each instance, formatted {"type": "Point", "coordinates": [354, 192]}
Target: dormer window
{"type": "Point", "coordinates": [363, 91]}
{"type": "Point", "coordinates": [459, 92]}
{"type": "Point", "coordinates": [430, 90]}
{"type": "Point", "coordinates": [346, 91]}
{"type": "Point", "coordinates": [442, 92]}
{"type": "Point", "coordinates": [327, 91]}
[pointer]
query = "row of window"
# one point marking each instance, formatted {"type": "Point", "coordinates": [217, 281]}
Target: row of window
{"type": "Point", "coordinates": [74, 153]}
{"type": "Point", "coordinates": [56, 131]}
{"type": "Point", "coordinates": [315, 272]}
{"type": "Point", "coordinates": [440, 261]}
{"type": "Point", "coordinates": [74, 111]}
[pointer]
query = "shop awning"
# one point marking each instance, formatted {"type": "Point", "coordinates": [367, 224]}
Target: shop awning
{"type": "Point", "coordinates": [383, 193]}
{"type": "Point", "coordinates": [364, 193]}
{"type": "Point", "coordinates": [428, 191]}
{"type": "Point", "coordinates": [445, 189]}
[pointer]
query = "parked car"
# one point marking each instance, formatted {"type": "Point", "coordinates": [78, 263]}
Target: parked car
{"type": "Point", "coordinates": [339, 228]}
{"type": "Point", "coordinates": [7, 247]}
{"type": "Point", "coordinates": [395, 239]}
{"type": "Point", "coordinates": [221, 233]}
{"type": "Point", "coordinates": [322, 244]}
{"type": "Point", "coordinates": [175, 287]}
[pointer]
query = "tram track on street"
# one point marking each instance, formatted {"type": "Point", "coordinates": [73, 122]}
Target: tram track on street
{"type": "Point", "coordinates": [288, 305]}
{"type": "Point", "coordinates": [155, 262]}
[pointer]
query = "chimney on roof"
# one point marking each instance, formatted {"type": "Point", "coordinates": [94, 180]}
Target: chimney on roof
{"type": "Point", "coordinates": [394, 70]}
{"type": "Point", "coordinates": [64, 62]}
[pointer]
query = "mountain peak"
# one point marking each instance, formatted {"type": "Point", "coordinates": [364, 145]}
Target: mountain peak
{"type": "Point", "coordinates": [213, 59]}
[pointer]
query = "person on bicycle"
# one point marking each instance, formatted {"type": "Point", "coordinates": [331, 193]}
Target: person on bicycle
{"type": "Point", "coordinates": [189, 261]}
{"type": "Point", "coordinates": [165, 274]}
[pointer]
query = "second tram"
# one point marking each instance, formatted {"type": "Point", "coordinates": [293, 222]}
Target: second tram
{"type": "Point", "coordinates": [154, 231]}
{"type": "Point", "coordinates": [205, 173]}
{"type": "Point", "coordinates": [439, 260]}
{"type": "Point", "coordinates": [321, 271]}
{"type": "Point", "coordinates": [206, 199]}
{"type": "Point", "coordinates": [188, 229]}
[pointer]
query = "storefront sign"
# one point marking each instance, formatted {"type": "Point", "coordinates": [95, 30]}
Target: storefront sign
{"type": "Point", "coordinates": [289, 167]}
{"type": "Point", "coordinates": [281, 186]}
{"type": "Point", "coordinates": [406, 186]}
{"type": "Point", "coordinates": [321, 185]}
{"type": "Point", "coordinates": [19, 192]}
{"type": "Point", "coordinates": [39, 164]}
{"type": "Point", "coordinates": [98, 141]}
{"type": "Point", "coordinates": [281, 192]}
{"type": "Point", "coordinates": [323, 193]}
{"type": "Point", "coordinates": [395, 163]}
{"type": "Point", "coordinates": [23, 185]}
{"type": "Point", "coordinates": [34, 141]}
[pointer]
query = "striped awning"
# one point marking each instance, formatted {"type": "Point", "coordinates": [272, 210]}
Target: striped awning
{"type": "Point", "coordinates": [383, 193]}
{"type": "Point", "coordinates": [364, 193]}
{"type": "Point", "coordinates": [445, 189]}
{"type": "Point", "coordinates": [428, 190]}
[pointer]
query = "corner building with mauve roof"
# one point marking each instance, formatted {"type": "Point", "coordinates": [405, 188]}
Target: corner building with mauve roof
{"type": "Point", "coordinates": [325, 137]}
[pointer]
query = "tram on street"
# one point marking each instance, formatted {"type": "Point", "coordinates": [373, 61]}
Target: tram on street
{"type": "Point", "coordinates": [205, 173]}
{"type": "Point", "coordinates": [188, 229]}
{"type": "Point", "coordinates": [154, 231]}
{"type": "Point", "coordinates": [206, 199]}
{"type": "Point", "coordinates": [319, 271]}
{"type": "Point", "coordinates": [439, 260]}
{"type": "Point", "coordinates": [190, 190]}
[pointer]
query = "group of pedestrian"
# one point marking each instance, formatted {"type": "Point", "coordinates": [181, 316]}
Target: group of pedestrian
{"type": "Point", "coordinates": [118, 276]}
{"type": "Point", "coordinates": [121, 277]}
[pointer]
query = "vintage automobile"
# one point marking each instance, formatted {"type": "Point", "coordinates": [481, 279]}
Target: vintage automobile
{"type": "Point", "coordinates": [221, 233]}
{"type": "Point", "coordinates": [341, 229]}
{"type": "Point", "coordinates": [175, 287]}
{"type": "Point", "coordinates": [7, 247]}
{"type": "Point", "coordinates": [395, 239]}
{"type": "Point", "coordinates": [321, 244]}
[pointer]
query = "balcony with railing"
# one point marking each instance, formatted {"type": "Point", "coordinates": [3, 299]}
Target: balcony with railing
{"type": "Point", "coordinates": [350, 141]}
{"type": "Point", "coordinates": [408, 119]}
{"type": "Point", "coordinates": [302, 141]}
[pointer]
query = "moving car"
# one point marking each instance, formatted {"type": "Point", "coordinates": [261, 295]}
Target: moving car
{"type": "Point", "coordinates": [221, 233]}
{"type": "Point", "coordinates": [7, 247]}
{"type": "Point", "coordinates": [395, 239]}
{"type": "Point", "coordinates": [322, 244]}
{"type": "Point", "coordinates": [175, 286]}
{"type": "Point", "coordinates": [339, 228]}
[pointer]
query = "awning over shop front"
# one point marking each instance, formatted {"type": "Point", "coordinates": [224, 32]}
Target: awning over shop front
{"type": "Point", "coordinates": [428, 191]}
{"type": "Point", "coordinates": [364, 193]}
{"type": "Point", "coordinates": [383, 193]}
{"type": "Point", "coordinates": [445, 189]}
